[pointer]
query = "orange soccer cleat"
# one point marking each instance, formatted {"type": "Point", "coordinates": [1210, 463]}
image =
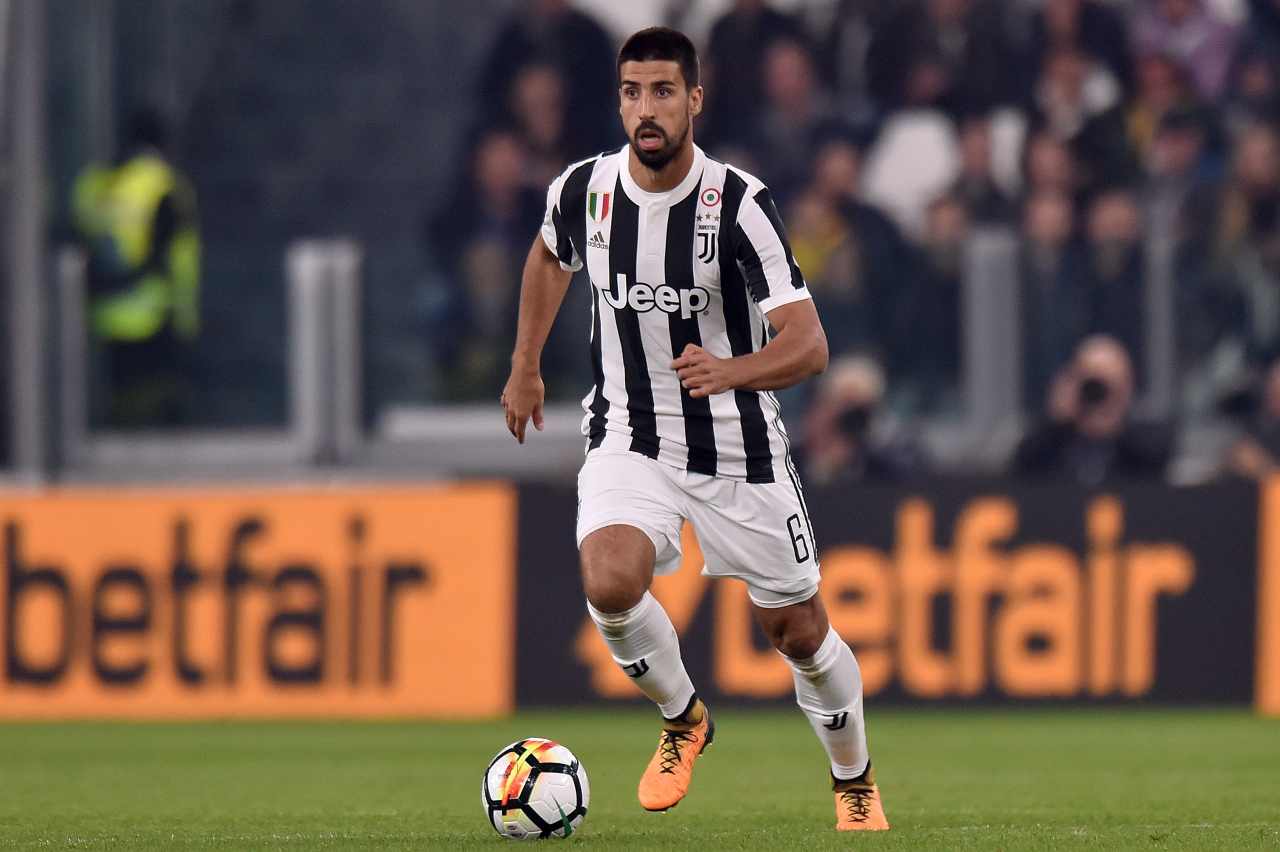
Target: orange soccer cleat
{"type": "Point", "coordinates": [858, 805]}
{"type": "Point", "coordinates": [666, 778]}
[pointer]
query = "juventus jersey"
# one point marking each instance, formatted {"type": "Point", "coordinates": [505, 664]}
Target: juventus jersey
{"type": "Point", "coordinates": [703, 264]}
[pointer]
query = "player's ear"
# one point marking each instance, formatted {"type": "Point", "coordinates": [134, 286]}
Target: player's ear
{"type": "Point", "coordinates": [695, 101]}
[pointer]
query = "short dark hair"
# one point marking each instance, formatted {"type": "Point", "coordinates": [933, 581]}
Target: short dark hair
{"type": "Point", "coordinates": [661, 43]}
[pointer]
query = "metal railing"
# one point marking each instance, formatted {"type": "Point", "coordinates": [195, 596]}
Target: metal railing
{"type": "Point", "coordinates": [323, 376]}
{"type": "Point", "coordinates": [25, 223]}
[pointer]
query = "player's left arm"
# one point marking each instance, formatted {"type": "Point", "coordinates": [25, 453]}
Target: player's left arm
{"type": "Point", "coordinates": [797, 351]}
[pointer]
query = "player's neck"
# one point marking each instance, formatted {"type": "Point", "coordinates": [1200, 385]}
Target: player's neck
{"type": "Point", "coordinates": [666, 178]}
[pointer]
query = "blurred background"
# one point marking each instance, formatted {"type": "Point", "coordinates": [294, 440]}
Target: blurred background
{"type": "Point", "coordinates": [284, 238]}
{"type": "Point", "coordinates": [259, 273]}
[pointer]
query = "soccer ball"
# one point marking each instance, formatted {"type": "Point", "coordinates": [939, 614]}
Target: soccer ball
{"type": "Point", "coordinates": [533, 789]}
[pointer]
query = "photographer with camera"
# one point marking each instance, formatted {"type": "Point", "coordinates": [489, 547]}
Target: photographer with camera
{"type": "Point", "coordinates": [1089, 435]}
{"type": "Point", "coordinates": [848, 435]}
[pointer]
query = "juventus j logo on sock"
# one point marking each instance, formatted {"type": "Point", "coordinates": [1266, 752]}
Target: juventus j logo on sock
{"type": "Point", "coordinates": [837, 722]}
{"type": "Point", "coordinates": [636, 669]}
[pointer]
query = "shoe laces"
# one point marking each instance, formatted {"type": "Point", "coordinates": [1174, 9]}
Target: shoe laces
{"type": "Point", "coordinates": [857, 802]}
{"type": "Point", "coordinates": [669, 745]}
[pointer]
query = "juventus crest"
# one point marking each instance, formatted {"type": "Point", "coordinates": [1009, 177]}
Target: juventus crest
{"type": "Point", "coordinates": [706, 246]}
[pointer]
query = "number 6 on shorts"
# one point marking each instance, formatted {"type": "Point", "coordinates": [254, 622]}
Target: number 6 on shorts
{"type": "Point", "coordinates": [798, 543]}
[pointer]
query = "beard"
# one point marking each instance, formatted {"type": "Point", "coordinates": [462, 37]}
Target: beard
{"type": "Point", "coordinates": [658, 158]}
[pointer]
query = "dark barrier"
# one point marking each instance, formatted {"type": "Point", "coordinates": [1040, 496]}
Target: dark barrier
{"type": "Point", "coordinates": [362, 601]}
{"type": "Point", "coordinates": [961, 592]}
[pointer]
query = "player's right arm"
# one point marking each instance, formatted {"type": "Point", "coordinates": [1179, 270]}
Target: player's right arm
{"type": "Point", "coordinates": [542, 289]}
{"type": "Point", "coordinates": [552, 260]}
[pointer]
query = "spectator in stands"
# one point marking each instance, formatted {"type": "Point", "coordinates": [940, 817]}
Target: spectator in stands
{"type": "Point", "coordinates": [966, 42]}
{"type": "Point", "coordinates": [914, 159]}
{"type": "Point", "coordinates": [1220, 273]}
{"type": "Point", "coordinates": [1089, 436]}
{"type": "Point", "coordinates": [735, 75]}
{"type": "Point", "coordinates": [1250, 214]}
{"type": "Point", "coordinates": [843, 45]}
{"type": "Point", "coordinates": [926, 359]}
{"type": "Point", "coordinates": [136, 219]}
{"type": "Point", "coordinates": [1114, 280]}
{"type": "Point", "coordinates": [1256, 453]}
{"type": "Point", "coordinates": [1253, 90]}
{"type": "Point", "coordinates": [851, 254]}
{"type": "Point", "coordinates": [1049, 165]}
{"type": "Point", "coordinates": [795, 109]}
{"type": "Point", "coordinates": [849, 437]}
{"type": "Point", "coordinates": [1052, 305]}
{"type": "Point", "coordinates": [1070, 91]}
{"type": "Point", "coordinates": [1246, 256]}
{"type": "Point", "coordinates": [553, 32]}
{"type": "Point", "coordinates": [538, 108]}
{"type": "Point", "coordinates": [479, 239]}
{"type": "Point", "coordinates": [976, 187]}
{"type": "Point", "coordinates": [1176, 170]}
{"type": "Point", "coordinates": [1188, 31]}
{"type": "Point", "coordinates": [1078, 101]}
{"type": "Point", "coordinates": [1089, 26]}
{"type": "Point", "coordinates": [1162, 86]}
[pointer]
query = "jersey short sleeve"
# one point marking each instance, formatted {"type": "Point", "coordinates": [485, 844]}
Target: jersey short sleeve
{"type": "Point", "coordinates": [773, 277]}
{"type": "Point", "coordinates": [555, 231]}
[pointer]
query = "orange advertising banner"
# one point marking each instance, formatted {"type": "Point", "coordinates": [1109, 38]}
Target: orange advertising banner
{"type": "Point", "coordinates": [1267, 689]}
{"type": "Point", "coordinates": [174, 603]}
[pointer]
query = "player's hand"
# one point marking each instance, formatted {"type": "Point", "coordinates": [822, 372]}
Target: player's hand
{"type": "Point", "coordinates": [522, 399]}
{"type": "Point", "coordinates": [1064, 394]}
{"type": "Point", "coordinates": [702, 373]}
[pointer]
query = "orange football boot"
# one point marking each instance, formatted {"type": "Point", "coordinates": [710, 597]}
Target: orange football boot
{"type": "Point", "coordinates": [666, 778]}
{"type": "Point", "coordinates": [858, 805]}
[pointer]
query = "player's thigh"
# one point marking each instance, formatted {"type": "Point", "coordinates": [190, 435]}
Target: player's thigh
{"type": "Point", "coordinates": [628, 529]}
{"type": "Point", "coordinates": [758, 533]}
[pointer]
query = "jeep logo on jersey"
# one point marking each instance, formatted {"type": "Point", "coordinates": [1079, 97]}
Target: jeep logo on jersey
{"type": "Point", "coordinates": [641, 297]}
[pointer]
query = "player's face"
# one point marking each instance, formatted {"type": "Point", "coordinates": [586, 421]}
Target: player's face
{"type": "Point", "coordinates": [657, 110]}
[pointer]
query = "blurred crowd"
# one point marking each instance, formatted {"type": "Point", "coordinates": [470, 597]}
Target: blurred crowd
{"type": "Point", "coordinates": [892, 132]}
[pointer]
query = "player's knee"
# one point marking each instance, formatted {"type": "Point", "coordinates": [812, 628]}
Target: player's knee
{"type": "Point", "coordinates": [610, 591]}
{"type": "Point", "coordinates": [797, 638]}
{"type": "Point", "coordinates": [617, 567]}
{"type": "Point", "coordinates": [610, 586]}
{"type": "Point", "coordinates": [800, 647]}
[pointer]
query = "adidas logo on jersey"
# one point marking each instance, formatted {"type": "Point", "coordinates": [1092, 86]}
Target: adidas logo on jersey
{"type": "Point", "coordinates": [598, 241]}
{"type": "Point", "coordinates": [641, 297]}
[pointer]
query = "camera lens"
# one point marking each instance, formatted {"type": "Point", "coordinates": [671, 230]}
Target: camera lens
{"type": "Point", "coordinates": [1093, 391]}
{"type": "Point", "coordinates": [854, 421]}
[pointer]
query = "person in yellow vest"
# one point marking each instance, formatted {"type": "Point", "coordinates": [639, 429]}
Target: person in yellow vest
{"type": "Point", "coordinates": [137, 221]}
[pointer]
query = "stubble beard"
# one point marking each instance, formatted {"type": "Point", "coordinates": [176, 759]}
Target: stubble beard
{"type": "Point", "coordinates": [657, 160]}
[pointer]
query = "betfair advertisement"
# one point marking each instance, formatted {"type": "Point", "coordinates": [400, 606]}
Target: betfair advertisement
{"type": "Point", "coordinates": [464, 600]}
{"type": "Point", "coordinates": [351, 602]}
{"type": "Point", "coordinates": [966, 593]}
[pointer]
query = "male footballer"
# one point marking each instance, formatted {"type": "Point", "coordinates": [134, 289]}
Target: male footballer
{"type": "Point", "coordinates": [689, 267]}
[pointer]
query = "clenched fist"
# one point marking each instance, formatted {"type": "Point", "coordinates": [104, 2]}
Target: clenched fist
{"type": "Point", "coordinates": [702, 373]}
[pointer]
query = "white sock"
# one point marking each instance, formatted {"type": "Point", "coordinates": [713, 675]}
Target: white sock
{"type": "Point", "coordinates": [829, 691]}
{"type": "Point", "coordinates": [643, 641]}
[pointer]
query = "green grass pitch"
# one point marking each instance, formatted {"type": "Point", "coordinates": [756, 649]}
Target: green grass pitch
{"type": "Point", "coordinates": [1032, 779]}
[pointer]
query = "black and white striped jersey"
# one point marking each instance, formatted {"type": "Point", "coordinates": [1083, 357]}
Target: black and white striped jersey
{"type": "Point", "coordinates": [703, 263]}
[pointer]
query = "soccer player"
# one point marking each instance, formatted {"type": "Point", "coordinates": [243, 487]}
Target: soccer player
{"type": "Point", "coordinates": [689, 266]}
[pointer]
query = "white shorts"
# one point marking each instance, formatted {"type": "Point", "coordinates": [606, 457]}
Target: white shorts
{"type": "Point", "coordinates": [756, 532]}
